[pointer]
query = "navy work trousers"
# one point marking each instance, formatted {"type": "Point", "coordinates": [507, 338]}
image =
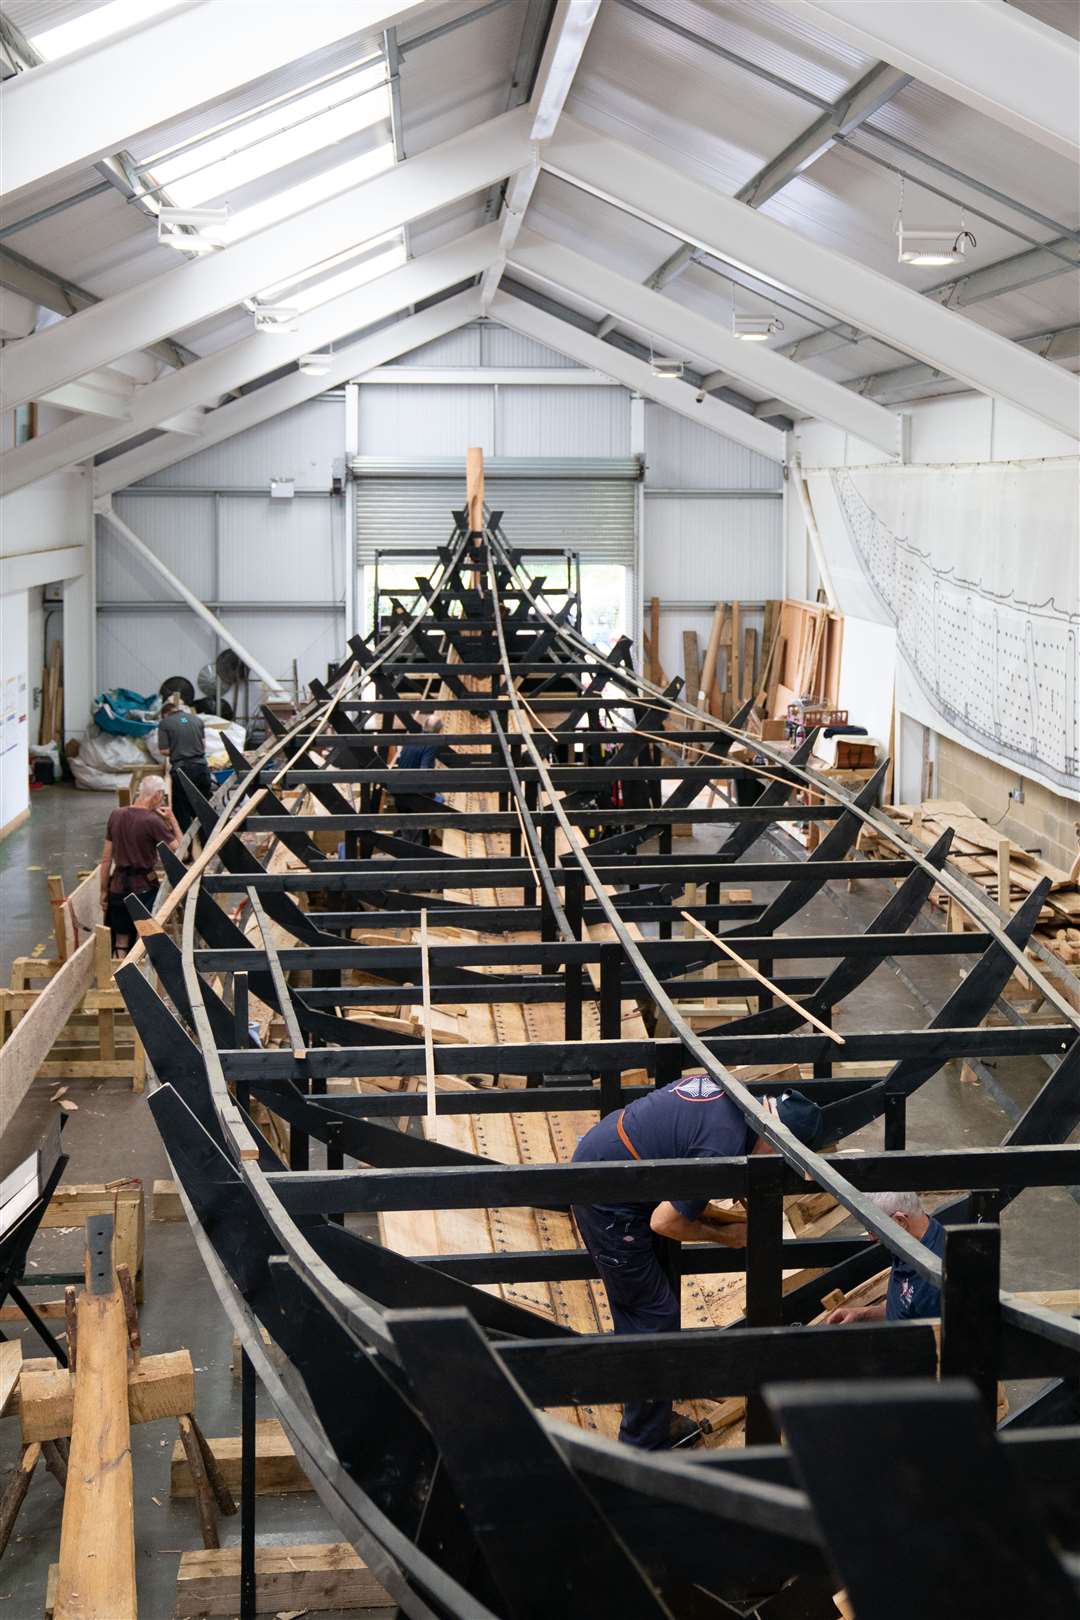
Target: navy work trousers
{"type": "Point", "coordinates": [641, 1299]}
{"type": "Point", "coordinates": [198, 772]}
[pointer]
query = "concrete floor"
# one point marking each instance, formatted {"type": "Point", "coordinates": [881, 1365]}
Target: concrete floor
{"type": "Point", "coordinates": [112, 1135]}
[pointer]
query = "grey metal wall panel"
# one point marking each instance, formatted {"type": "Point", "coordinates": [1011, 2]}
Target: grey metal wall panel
{"type": "Point", "coordinates": [275, 639]}
{"type": "Point", "coordinates": [594, 517]}
{"type": "Point", "coordinates": [501, 347]}
{"type": "Point", "coordinates": [552, 421]}
{"type": "Point", "coordinates": [179, 530]}
{"type": "Point", "coordinates": [138, 650]}
{"type": "Point", "coordinates": [280, 550]}
{"type": "Point", "coordinates": [708, 551]}
{"type": "Point", "coordinates": [682, 455]}
{"type": "Point", "coordinates": [302, 444]}
{"type": "Point", "coordinates": [486, 344]}
{"type": "Point", "coordinates": [436, 421]}
{"type": "Point", "coordinates": [460, 348]}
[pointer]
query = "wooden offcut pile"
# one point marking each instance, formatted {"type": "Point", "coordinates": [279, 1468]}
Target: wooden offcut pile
{"type": "Point", "coordinates": [1001, 868]}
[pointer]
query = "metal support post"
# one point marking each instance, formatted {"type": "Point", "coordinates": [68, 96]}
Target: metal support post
{"type": "Point", "coordinates": [970, 1307]}
{"type": "Point", "coordinates": [764, 1271]}
{"type": "Point", "coordinates": [240, 1020]}
{"type": "Point", "coordinates": [247, 1488]}
{"type": "Point", "coordinates": [572, 971]}
{"type": "Point", "coordinates": [895, 1121]}
{"type": "Point", "coordinates": [823, 1065]}
{"type": "Point", "coordinates": [610, 1023]}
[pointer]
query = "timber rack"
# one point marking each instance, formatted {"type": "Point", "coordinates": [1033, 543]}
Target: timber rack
{"type": "Point", "coordinates": [453, 1409]}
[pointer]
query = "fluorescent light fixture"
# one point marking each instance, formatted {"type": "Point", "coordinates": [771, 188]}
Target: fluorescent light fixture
{"type": "Point", "coordinates": [667, 367]}
{"type": "Point", "coordinates": [755, 328]}
{"type": "Point", "coordinates": [199, 220]}
{"type": "Point", "coordinates": [938, 247]}
{"type": "Point", "coordinates": [315, 365]}
{"type": "Point", "coordinates": [276, 318]}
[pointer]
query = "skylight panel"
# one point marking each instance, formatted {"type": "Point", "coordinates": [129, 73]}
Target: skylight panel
{"type": "Point", "coordinates": [293, 199]}
{"type": "Point", "coordinates": [357, 275]}
{"type": "Point", "coordinates": [329, 113]}
{"type": "Point", "coordinates": [96, 25]}
{"type": "Point", "coordinates": [281, 292]}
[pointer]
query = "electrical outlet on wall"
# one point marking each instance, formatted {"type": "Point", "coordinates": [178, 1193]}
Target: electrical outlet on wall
{"type": "Point", "coordinates": [1016, 794]}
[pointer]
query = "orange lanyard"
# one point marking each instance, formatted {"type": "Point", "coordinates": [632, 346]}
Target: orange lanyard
{"type": "Point", "coordinates": [623, 1138]}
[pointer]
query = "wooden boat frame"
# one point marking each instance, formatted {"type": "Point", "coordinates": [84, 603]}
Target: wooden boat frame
{"type": "Point", "coordinates": [416, 1401]}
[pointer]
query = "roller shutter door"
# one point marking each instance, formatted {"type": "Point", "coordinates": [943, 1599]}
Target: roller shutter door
{"type": "Point", "coordinates": [586, 505]}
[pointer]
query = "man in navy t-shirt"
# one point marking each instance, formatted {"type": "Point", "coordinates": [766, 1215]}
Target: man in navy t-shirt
{"type": "Point", "coordinates": [909, 1296]}
{"type": "Point", "coordinates": [420, 753]}
{"type": "Point", "coordinates": [693, 1118]}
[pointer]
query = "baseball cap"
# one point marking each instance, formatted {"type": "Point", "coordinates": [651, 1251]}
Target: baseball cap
{"type": "Point", "coordinates": [802, 1117]}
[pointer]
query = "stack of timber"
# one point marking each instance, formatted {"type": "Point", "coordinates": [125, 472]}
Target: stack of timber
{"type": "Point", "coordinates": [51, 726]}
{"type": "Point", "coordinates": [804, 660]}
{"type": "Point", "coordinates": [728, 671]}
{"type": "Point", "coordinates": [1003, 869]}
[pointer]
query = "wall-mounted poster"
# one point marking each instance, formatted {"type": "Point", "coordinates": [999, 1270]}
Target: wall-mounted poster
{"type": "Point", "coordinates": [978, 568]}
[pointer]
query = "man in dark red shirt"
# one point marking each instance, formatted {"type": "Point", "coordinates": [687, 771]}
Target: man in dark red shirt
{"type": "Point", "coordinates": [130, 855]}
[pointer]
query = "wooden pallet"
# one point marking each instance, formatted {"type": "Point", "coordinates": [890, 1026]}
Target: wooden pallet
{"type": "Point", "coordinates": [1004, 870]}
{"type": "Point", "coordinates": [294, 1578]}
{"type": "Point", "coordinates": [63, 1017]}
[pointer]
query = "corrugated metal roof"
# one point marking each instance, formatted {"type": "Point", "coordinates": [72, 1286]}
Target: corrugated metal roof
{"type": "Point", "coordinates": [34, 16]}
{"type": "Point", "coordinates": [648, 81]}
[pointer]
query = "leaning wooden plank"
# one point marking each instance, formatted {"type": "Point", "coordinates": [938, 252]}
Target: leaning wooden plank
{"type": "Point", "coordinates": [276, 1467]}
{"type": "Point", "coordinates": [30, 1043]}
{"type": "Point", "coordinates": [712, 653]}
{"type": "Point", "coordinates": [306, 1578]}
{"type": "Point", "coordinates": [10, 1369]}
{"type": "Point", "coordinates": [97, 1538]}
{"type": "Point", "coordinates": [160, 1386]}
{"type": "Point", "coordinates": [692, 669]}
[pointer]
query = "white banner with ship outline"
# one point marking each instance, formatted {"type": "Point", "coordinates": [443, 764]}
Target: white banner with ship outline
{"type": "Point", "coordinates": [978, 569]}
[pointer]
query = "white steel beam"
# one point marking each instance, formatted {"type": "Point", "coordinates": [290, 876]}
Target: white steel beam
{"type": "Point", "coordinates": [103, 507]}
{"type": "Point", "coordinates": [201, 288]}
{"type": "Point", "coordinates": [853, 108]}
{"type": "Point", "coordinates": [566, 41]}
{"type": "Point", "coordinates": [379, 349]}
{"type": "Point", "coordinates": [486, 376]}
{"type": "Point", "coordinates": [637, 375]}
{"type": "Point", "coordinates": [695, 334]}
{"type": "Point", "coordinates": [985, 53]}
{"type": "Point", "coordinates": [68, 113]}
{"type": "Point", "coordinates": [204, 381]}
{"type": "Point", "coordinates": [877, 305]}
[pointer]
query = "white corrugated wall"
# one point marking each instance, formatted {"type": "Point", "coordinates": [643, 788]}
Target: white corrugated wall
{"type": "Point", "coordinates": [220, 532]}
{"type": "Point", "coordinates": [713, 528]}
{"type": "Point", "coordinates": [246, 549]}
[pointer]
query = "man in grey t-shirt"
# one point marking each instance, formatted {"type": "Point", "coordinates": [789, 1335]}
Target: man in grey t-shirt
{"type": "Point", "coordinates": [182, 739]}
